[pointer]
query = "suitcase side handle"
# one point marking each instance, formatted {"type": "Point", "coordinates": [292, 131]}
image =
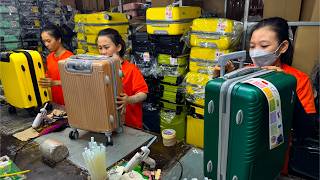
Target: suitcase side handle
{"type": "Point", "coordinates": [5, 57]}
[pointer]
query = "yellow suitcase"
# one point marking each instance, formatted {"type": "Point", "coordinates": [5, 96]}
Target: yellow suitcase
{"type": "Point", "coordinates": [215, 33]}
{"type": "Point", "coordinates": [198, 79]}
{"type": "Point", "coordinates": [199, 66]}
{"type": "Point", "coordinates": [81, 36]}
{"type": "Point", "coordinates": [200, 53]}
{"type": "Point", "coordinates": [92, 39]}
{"type": "Point", "coordinates": [171, 20]}
{"type": "Point", "coordinates": [80, 51]}
{"type": "Point", "coordinates": [93, 49]}
{"type": "Point", "coordinates": [19, 74]}
{"type": "Point", "coordinates": [195, 94]}
{"type": "Point", "coordinates": [195, 131]}
{"type": "Point", "coordinates": [95, 29]}
{"type": "Point", "coordinates": [82, 45]}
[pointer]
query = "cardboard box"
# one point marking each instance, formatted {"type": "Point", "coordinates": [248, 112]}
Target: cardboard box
{"type": "Point", "coordinates": [310, 10]}
{"type": "Point", "coordinates": [287, 9]}
{"type": "Point", "coordinates": [306, 48]}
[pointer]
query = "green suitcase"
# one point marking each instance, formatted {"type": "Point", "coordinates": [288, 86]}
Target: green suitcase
{"type": "Point", "coordinates": [236, 142]}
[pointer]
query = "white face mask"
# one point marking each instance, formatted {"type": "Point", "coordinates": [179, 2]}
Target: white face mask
{"type": "Point", "coordinates": [264, 58]}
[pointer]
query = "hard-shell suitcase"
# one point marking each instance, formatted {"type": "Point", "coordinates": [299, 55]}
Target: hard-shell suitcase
{"type": "Point", "coordinates": [169, 44]}
{"type": "Point", "coordinates": [174, 80]}
{"type": "Point", "coordinates": [168, 70]}
{"type": "Point", "coordinates": [20, 72]}
{"type": "Point", "coordinates": [215, 33]}
{"type": "Point", "coordinates": [206, 54]}
{"type": "Point", "coordinates": [169, 60]}
{"type": "Point", "coordinates": [237, 143]}
{"type": "Point", "coordinates": [151, 117]}
{"type": "Point", "coordinates": [97, 80]}
{"type": "Point", "coordinates": [173, 97]}
{"type": "Point", "coordinates": [171, 20]}
{"type": "Point", "coordinates": [195, 128]}
{"type": "Point", "coordinates": [92, 39]}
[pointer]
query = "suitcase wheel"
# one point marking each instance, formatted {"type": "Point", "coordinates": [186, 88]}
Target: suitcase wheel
{"type": "Point", "coordinates": [12, 110]}
{"type": "Point", "coordinates": [109, 141]}
{"type": "Point", "coordinates": [74, 134]}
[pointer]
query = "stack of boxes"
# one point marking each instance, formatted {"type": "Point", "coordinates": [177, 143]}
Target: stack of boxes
{"type": "Point", "coordinates": [166, 26]}
{"type": "Point", "coordinates": [87, 27]}
{"type": "Point", "coordinates": [209, 38]}
{"type": "Point", "coordinates": [30, 24]}
{"type": "Point", "coordinates": [10, 30]}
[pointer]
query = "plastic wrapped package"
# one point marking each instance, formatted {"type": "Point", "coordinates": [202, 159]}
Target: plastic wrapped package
{"type": "Point", "coordinates": [11, 31]}
{"type": "Point", "coordinates": [172, 120]}
{"type": "Point", "coordinates": [151, 117]}
{"type": "Point", "coordinates": [173, 97]}
{"type": "Point", "coordinates": [217, 33]}
{"type": "Point", "coordinates": [10, 46]}
{"type": "Point", "coordinates": [174, 80]}
{"type": "Point", "coordinates": [195, 87]}
{"type": "Point", "coordinates": [7, 3]}
{"type": "Point", "coordinates": [175, 71]}
{"type": "Point", "coordinates": [146, 62]}
{"type": "Point", "coordinates": [80, 51]}
{"type": "Point", "coordinates": [50, 12]}
{"type": "Point", "coordinates": [92, 48]}
{"type": "Point", "coordinates": [171, 45]}
{"type": "Point", "coordinates": [10, 24]}
{"type": "Point", "coordinates": [9, 17]}
{"type": "Point", "coordinates": [11, 9]}
{"type": "Point", "coordinates": [166, 59]}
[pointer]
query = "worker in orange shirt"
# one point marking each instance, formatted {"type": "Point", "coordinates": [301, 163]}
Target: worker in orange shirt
{"type": "Point", "coordinates": [135, 89]}
{"type": "Point", "coordinates": [51, 36]}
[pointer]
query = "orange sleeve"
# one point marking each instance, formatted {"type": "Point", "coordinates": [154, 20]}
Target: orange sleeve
{"type": "Point", "coordinates": [139, 84]}
{"type": "Point", "coordinates": [305, 94]}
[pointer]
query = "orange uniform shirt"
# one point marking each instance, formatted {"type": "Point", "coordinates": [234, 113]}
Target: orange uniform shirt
{"type": "Point", "coordinates": [133, 83]}
{"type": "Point", "coordinates": [53, 73]}
{"type": "Point", "coordinates": [304, 88]}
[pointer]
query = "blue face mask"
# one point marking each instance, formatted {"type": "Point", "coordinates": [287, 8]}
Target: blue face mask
{"type": "Point", "coordinates": [264, 58]}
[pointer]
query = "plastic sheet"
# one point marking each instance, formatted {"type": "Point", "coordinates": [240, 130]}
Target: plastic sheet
{"type": "Point", "coordinates": [217, 33]}
{"type": "Point", "coordinates": [203, 60]}
{"type": "Point", "coordinates": [195, 87]}
{"type": "Point", "coordinates": [146, 62]}
{"type": "Point", "coordinates": [172, 120]}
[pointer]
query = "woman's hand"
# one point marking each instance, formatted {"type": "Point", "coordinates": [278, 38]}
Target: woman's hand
{"type": "Point", "coordinates": [276, 68]}
{"type": "Point", "coordinates": [48, 82]}
{"type": "Point", "coordinates": [122, 101]}
{"type": "Point", "coordinates": [228, 68]}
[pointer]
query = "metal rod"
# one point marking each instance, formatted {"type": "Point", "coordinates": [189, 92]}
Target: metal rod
{"type": "Point", "coordinates": [296, 23]}
{"type": "Point", "coordinates": [245, 22]}
{"type": "Point", "coordinates": [120, 5]}
{"type": "Point", "coordinates": [225, 8]}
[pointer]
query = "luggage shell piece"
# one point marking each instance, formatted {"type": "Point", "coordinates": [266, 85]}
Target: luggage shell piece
{"type": "Point", "coordinates": [171, 120]}
{"type": "Point", "coordinates": [96, 79]}
{"type": "Point", "coordinates": [19, 74]}
{"type": "Point", "coordinates": [242, 150]}
{"type": "Point", "coordinates": [195, 129]}
{"type": "Point", "coordinates": [213, 25]}
{"type": "Point", "coordinates": [210, 41]}
{"type": "Point", "coordinates": [171, 20]}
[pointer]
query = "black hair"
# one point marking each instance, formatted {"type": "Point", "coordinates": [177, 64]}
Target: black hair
{"type": "Point", "coordinates": [115, 38]}
{"type": "Point", "coordinates": [53, 31]}
{"type": "Point", "coordinates": [281, 28]}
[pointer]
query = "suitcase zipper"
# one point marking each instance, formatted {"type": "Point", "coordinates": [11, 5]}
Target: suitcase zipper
{"type": "Point", "coordinates": [155, 22]}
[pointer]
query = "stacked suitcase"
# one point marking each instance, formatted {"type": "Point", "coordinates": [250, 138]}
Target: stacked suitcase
{"type": "Point", "coordinates": [30, 23]}
{"type": "Point", "coordinates": [166, 26]}
{"type": "Point", "coordinates": [87, 27]}
{"type": "Point", "coordinates": [50, 11]}
{"type": "Point", "coordinates": [209, 38]}
{"type": "Point", "coordinates": [143, 56]}
{"type": "Point", "coordinates": [10, 30]}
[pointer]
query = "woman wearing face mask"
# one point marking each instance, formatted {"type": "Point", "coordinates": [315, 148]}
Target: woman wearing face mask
{"type": "Point", "coordinates": [52, 39]}
{"type": "Point", "coordinates": [271, 48]}
{"type": "Point", "coordinates": [135, 88]}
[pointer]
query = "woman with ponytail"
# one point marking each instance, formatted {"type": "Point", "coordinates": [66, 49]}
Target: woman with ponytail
{"type": "Point", "coordinates": [52, 38]}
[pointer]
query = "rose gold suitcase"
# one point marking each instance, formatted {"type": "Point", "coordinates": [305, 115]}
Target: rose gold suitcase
{"type": "Point", "coordinates": [90, 85]}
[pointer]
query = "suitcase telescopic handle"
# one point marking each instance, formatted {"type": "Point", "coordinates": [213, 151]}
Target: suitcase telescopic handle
{"type": "Point", "coordinates": [222, 60]}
